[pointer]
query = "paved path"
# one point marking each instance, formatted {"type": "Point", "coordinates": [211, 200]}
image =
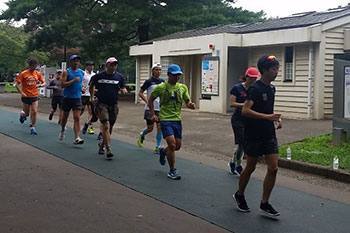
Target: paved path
{"type": "Point", "coordinates": [204, 191]}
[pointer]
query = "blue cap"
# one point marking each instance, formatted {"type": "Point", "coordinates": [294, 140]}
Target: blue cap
{"type": "Point", "coordinates": [74, 56]}
{"type": "Point", "coordinates": [174, 69]}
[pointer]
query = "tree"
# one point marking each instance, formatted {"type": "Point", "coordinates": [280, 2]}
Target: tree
{"type": "Point", "coordinates": [14, 52]}
{"type": "Point", "coordinates": [101, 28]}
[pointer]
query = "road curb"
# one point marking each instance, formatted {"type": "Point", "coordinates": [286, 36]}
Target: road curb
{"type": "Point", "coordinates": [326, 172]}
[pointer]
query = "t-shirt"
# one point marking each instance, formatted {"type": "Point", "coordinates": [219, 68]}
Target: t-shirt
{"type": "Point", "coordinates": [149, 85]}
{"type": "Point", "coordinates": [56, 91]}
{"type": "Point", "coordinates": [86, 81]}
{"type": "Point", "coordinates": [108, 86]}
{"type": "Point", "coordinates": [29, 80]}
{"type": "Point", "coordinates": [263, 97]}
{"type": "Point", "coordinates": [74, 90]}
{"type": "Point", "coordinates": [171, 98]}
{"type": "Point", "coordinates": [240, 92]}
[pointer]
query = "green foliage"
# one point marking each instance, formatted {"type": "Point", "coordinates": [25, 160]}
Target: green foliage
{"type": "Point", "coordinates": [319, 150]}
{"type": "Point", "coordinates": [100, 28]}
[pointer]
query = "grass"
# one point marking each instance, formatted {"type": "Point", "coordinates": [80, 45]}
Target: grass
{"type": "Point", "coordinates": [319, 150]}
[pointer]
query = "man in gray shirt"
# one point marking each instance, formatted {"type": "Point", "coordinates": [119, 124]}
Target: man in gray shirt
{"type": "Point", "coordinates": [57, 96]}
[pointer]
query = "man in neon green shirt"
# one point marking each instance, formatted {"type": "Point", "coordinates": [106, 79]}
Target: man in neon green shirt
{"type": "Point", "coordinates": [172, 95]}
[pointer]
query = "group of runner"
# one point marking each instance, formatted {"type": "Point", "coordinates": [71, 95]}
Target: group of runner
{"type": "Point", "coordinates": [254, 121]}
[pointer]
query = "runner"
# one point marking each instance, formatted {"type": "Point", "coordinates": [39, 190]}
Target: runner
{"type": "Point", "coordinates": [57, 96]}
{"type": "Point", "coordinates": [238, 96]}
{"type": "Point", "coordinates": [260, 135]}
{"type": "Point", "coordinates": [172, 94]}
{"type": "Point", "coordinates": [149, 85]}
{"type": "Point", "coordinates": [29, 80]}
{"type": "Point", "coordinates": [85, 97]}
{"type": "Point", "coordinates": [108, 83]}
{"type": "Point", "coordinates": [72, 83]}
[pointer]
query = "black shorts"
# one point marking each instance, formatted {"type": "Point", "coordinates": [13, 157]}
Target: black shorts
{"type": "Point", "coordinates": [238, 130]}
{"type": "Point", "coordinates": [29, 100]}
{"type": "Point", "coordinates": [71, 104]}
{"type": "Point", "coordinates": [85, 100]}
{"type": "Point", "coordinates": [256, 148]}
{"type": "Point", "coordinates": [56, 100]}
{"type": "Point", "coordinates": [148, 116]}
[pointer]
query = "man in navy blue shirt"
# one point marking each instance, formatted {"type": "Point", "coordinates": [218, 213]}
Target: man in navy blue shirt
{"type": "Point", "coordinates": [149, 85]}
{"type": "Point", "coordinates": [108, 83]}
{"type": "Point", "coordinates": [260, 136]}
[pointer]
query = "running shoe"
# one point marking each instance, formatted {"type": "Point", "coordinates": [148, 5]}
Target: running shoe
{"type": "Point", "coordinates": [50, 116]}
{"type": "Point", "coordinates": [85, 128]}
{"type": "Point", "coordinates": [267, 210]}
{"type": "Point", "coordinates": [78, 141]}
{"type": "Point", "coordinates": [101, 148]}
{"type": "Point", "coordinates": [239, 169]}
{"type": "Point", "coordinates": [241, 202]}
{"type": "Point", "coordinates": [174, 174]}
{"type": "Point", "coordinates": [109, 153]}
{"type": "Point", "coordinates": [22, 118]}
{"type": "Point", "coordinates": [156, 150]}
{"type": "Point", "coordinates": [232, 167]}
{"type": "Point", "coordinates": [91, 130]}
{"type": "Point", "coordinates": [61, 135]}
{"type": "Point", "coordinates": [162, 156]}
{"type": "Point", "coordinates": [140, 141]}
{"type": "Point", "coordinates": [33, 131]}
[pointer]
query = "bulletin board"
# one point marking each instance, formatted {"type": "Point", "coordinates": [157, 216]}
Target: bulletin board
{"type": "Point", "coordinates": [210, 76]}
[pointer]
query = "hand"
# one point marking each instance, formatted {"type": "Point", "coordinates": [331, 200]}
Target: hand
{"type": "Point", "coordinates": [278, 124]}
{"type": "Point", "coordinates": [77, 79]}
{"type": "Point", "coordinates": [124, 91]}
{"type": "Point", "coordinates": [23, 94]}
{"type": "Point", "coordinates": [191, 105]}
{"type": "Point", "coordinates": [273, 117]}
{"type": "Point", "coordinates": [83, 89]}
{"type": "Point", "coordinates": [55, 87]}
{"type": "Point", "coordinates": [154, 118]}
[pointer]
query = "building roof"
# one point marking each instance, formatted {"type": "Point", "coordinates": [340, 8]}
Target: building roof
{"type": "Point", "coordinates": [304, 19]}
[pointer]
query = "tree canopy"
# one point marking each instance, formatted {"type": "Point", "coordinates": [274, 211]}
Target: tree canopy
{"type": "Point", "coordinates": [102, 28]}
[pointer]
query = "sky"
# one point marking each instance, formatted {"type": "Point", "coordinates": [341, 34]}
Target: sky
{"type": "Point", "coordinates": [283, 8]}
{"type": "Point", "coordinates": [274, 8]}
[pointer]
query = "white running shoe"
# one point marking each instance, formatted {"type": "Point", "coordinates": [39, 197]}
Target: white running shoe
{"type": "Point", "coordinates": [61, 135]}
{"type": "Point", "coordinates": [78, 140]}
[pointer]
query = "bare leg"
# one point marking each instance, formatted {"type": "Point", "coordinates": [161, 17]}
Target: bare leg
{"type": "Point", "coordinates": [246, 173]}
{"type": "Point", "coordinates": [270, 178]}
{"type": "Point", "coordinates": [76, 115]}
{"type": "Point", "coordinates": [105, 129]}
{"type": "Point", "coordinates": [65, 116]}
{"type": "Point", "coordinates": [33, 112]}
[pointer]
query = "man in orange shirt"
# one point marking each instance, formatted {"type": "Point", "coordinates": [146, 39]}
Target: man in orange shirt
{"type": "Point", "coordinates": [29, 80]}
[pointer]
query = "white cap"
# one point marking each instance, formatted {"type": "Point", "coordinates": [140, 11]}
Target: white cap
{"type": "Point", "coordinates": [112, 60]}
{"type": "Point", "coordinates": [155, 65]}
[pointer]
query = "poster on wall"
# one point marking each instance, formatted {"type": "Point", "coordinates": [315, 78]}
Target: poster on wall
{"type": "Point", "coordinates": [347, 92]}
{"type": "Point", "coordinates": [210, 76]}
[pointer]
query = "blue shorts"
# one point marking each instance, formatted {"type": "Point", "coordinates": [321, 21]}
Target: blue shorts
{"type": "Point", "coordinates": [171, 128]}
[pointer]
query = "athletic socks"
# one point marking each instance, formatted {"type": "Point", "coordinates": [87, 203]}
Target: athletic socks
{"type": "Point", "coordinates": [159, 139]}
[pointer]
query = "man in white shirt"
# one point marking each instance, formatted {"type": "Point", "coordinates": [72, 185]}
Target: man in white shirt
{"type": "Point", "coordinates": [85, 96]}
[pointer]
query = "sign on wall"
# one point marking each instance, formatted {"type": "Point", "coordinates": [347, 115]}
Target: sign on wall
{"type": "Point", "coordinates": [347, 92]}
{"type": "Point", "coordinates": [210, 76]}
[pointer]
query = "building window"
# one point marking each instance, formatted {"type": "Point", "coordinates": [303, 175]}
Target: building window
{"type": "Point", "coordinates": [289, 53]}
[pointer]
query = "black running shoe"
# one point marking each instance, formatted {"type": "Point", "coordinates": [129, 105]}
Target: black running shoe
{"type": "Point", "coordinates": [50, 116]}
{"type": "Point", "coordinates": [109, 153]}
{"type": "Point", "coordinates": [241, 202]}
{"type": "Point", "coordinates": [268, 210]}
{"type": "Point", "coordinates": [85, 128]}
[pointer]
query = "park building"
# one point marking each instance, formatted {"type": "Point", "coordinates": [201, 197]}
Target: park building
{"type": "Point", "coordinates": [214, 58]}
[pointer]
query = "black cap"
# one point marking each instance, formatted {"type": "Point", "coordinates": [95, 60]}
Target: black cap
{"type": "Point", "coordinates": [89, 63]}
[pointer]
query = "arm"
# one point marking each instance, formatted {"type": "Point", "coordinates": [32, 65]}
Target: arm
{"type": "Point", "coordinates": [190, 104]}
{"type": "Point", "coordinates": [19, 89]}
{"type": "Point", "coordinates": [151, 108]}
{"type": "Point", "coordinates": [142, 96]}
{"type": "Point", "coordinates": [233, 103]}
{"type": "Point", "coordinates": [248, 112]}
{"type": "Point", "coordinates": [65, 83]}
